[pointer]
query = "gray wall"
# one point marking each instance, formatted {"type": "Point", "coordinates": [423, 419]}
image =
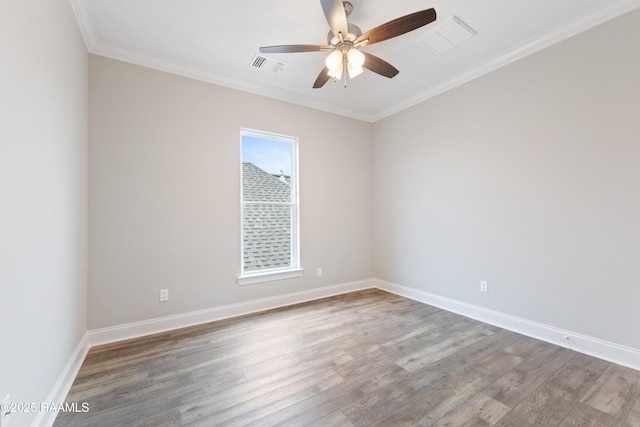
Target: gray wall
{"type": "Point", "coordinates": [165, 193]}
{"type": "Point", "coordinates": [528, 178]}
{"type": "Point", "coordinates": [43, 196]}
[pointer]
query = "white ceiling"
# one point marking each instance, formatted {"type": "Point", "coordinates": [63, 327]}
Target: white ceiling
{"type": "Point", "coordinates": [215, 41]}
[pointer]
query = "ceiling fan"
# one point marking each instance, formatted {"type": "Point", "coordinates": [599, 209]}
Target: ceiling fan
{"type": "Point", "coordinates": [345, 40]}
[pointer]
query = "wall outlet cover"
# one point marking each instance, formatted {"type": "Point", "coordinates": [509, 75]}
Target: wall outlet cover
{"type": "Point", "coordinates": [484, 286]}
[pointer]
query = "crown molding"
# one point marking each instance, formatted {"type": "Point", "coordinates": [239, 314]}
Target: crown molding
{"type": "Point", "coordinates": [176, 68]}
{"type": "Point", "coordinates": [569, 29]}
{"type": "Point", "coordinates": [84, 19]}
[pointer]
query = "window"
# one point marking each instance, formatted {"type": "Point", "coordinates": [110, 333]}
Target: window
{"type": "Point", "coordinates": [269, 202]}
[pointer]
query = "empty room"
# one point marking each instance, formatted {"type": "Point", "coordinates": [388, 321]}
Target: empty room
{"type": "Point", "coordinates": [319, 213]}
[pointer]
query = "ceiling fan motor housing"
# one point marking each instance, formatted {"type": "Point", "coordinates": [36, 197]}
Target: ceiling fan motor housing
{"type": "Point", "coordinates": [354, 33]}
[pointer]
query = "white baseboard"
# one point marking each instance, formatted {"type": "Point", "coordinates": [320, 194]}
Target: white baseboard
{"type": "Point", "coordinates": [163, 324]}
{"type": "Point", "coordinates": [61, 388]}
{"type": "Point", "coordinates": [601, 349]}
{"type": "Point", "coordinates": [612, 352]}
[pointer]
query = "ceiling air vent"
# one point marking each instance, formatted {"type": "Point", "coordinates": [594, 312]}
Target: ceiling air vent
{"type": "Point", "coordinates": [267, 64]}
{"type": "Point", "coordinates": [447, 35]}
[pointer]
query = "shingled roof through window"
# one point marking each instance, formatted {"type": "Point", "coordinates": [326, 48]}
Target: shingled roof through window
{"type": "Point", "coordinates": [266, 227]}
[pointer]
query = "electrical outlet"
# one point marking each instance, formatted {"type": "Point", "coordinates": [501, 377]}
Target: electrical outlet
{"type": "Point", "coordinates": [484, 286]}
{"type": "Point", "coordinates": [164, 295]}
{"type": "Point", "coordinates": [319, 272]}
{"type": "Point", "coordinates": [5, 411]}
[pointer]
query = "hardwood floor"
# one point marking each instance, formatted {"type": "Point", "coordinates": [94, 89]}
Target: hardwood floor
{"type": "Point", "coordinates": [365, 358]}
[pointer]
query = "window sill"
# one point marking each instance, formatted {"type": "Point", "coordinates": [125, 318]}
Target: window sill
{"type": "Point", "coordinates": [261, 277]}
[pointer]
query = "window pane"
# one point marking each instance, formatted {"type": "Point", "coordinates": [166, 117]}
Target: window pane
{"type": "Point", "coordinates": [261, 186]}
{"type": "Point", "coordinates": [266, 168]}
{"type": "Point", "coordinates": [269, 202]}
{"type": "Point", "coordinates": [266, 236]}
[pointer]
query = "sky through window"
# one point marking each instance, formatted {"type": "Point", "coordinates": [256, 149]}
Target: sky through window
{"type": "Point", "coordinates": [270, 156]}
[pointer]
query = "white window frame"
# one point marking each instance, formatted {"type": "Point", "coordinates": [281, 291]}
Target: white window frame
{"type": "Point", "coordinates": [295, 269]}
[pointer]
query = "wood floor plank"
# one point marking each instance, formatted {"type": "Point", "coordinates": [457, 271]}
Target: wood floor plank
{"type": "Point", "coordinates": [587, 416]}
{"type": "Point", "coordinates": [633, 419]}
{"type": "Point", "coordinates": [203, 411]}
{"type": "Point", "coordinates": [335, 419]}
{"type": "Point", "coordinates": [467, 357]}
{"type": "Point", "coordinates": [550, 403]}
{"type": "Point", "coordinates": [445, 346]}
{"type": "Point", "coordinates": [433, 403]}
{"type": "Point", "coordinates": [355, 388]}
{"type": "Point", "coordinates": [518, 383]}
{"type": "Point", "coordinates": [481, 410]}
{"type": "Point", "coordinates": [363, 358]}
{"type": "Point", "coordinates": [615, 391]}
{"type": "Point", "coordinates": [377, 404]}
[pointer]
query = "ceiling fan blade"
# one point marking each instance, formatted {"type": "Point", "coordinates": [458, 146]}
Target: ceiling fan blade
{"type": "Point", "coordinates": [379, 66]}
{"type": "Point", "coordinates": [398, 27]}
{"type": "Point", "coordinates": [323, 77]}
{"type": "Point", "coordinates": [336, 16]}
{"type": "Point", "coordinates": [293, 48]}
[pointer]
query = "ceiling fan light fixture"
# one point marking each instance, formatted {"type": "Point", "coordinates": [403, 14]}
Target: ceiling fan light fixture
{"type": "Point", "coordinates": [353, 70]}
{"type": "Point", "coordinates": [336, 74]}
{"type": "Point", "coordinates": [334, 61]}
{"type": "Point", "coordinates": [355, 58]}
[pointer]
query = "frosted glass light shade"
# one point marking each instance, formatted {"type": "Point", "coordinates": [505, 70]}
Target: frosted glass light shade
{"type": "Point", "coordinates": [353, 70]}
{"type": "Point", "coordinates": [336, 74]}
{"type": "Point", "coordinates": [334, 61]}
{"type": "Point", "coordinates": [355, 57]}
